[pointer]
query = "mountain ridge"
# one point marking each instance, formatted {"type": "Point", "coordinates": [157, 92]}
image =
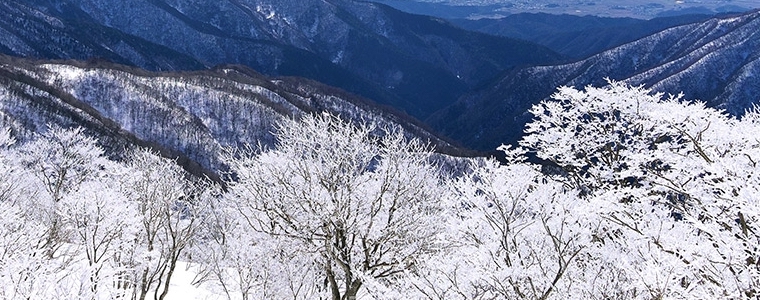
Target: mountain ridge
{"type": "Point", "coordinates": [712, 61]}
{"type": "Point", "coordinates": [32, 33]}
{"type": "Point", "coordinates": [193, 117]}
{"type": "Point", "coordinates": [418, 64]}
{"type": "Point", "coordinates": [577, 37]}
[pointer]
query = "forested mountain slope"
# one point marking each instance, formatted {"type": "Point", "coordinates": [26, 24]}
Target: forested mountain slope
{"type": "Point", "coordinates": [716, 61]}
{"type": "Point", "coordinates": [575, 36]}
{"type": "Point", "coordinates": [31, 32]}
{"type": "Point", "coordinates": [416, 63]}
{"type": "Point", "coordinates": [193, 116]}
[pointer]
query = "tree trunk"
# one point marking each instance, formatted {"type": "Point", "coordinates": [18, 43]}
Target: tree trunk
{"type": "Point", "coordinates": [172, 266]}
{"type": "Point", "coordinates": [352, 290]}
{"type": "Point", "coordinates": [332, 283]}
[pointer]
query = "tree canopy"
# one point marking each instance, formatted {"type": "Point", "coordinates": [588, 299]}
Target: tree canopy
{"type": "Point", "coordinates": [637, 196]}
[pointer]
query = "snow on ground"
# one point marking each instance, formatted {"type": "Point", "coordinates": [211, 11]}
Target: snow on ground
{"type": "Point", "coordinates": [182, 287]}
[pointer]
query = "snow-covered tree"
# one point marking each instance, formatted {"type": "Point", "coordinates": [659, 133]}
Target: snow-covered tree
{"type": "Point", "coordinates": [674, 182]}
{"type": "Point", "coordinates": [76, 225]}
{"type": "Point", "coordinates": [518, 235]}
{"type": "Point", "coordinates": [168, 207]}
{"type": "Point", "coordinates": [350, 204]}
{"type": "Point", "coordinates": [60, 160]}
{"type": "Point", "coordinates": [101, 221]}
{"type": "Point", "coordinates": [244, 264]}
{"type": "Point", "coordinates": [8, 186]}
{"type": "Point", "coordinates": [641, 198]}
{"type": "Point", "coordinates": [55, 237]}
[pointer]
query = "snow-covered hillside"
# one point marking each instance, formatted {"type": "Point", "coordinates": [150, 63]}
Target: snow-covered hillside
{"type": "Point", "coordinates": [714, 61]}
{"type": "Point", "coordinates": [194, 116]}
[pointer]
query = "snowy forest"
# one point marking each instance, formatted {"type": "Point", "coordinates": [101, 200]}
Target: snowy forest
{"type": "Point", "coordinates": [613, 193]}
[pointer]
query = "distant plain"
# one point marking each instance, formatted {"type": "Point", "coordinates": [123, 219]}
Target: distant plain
{"type": "Point", "coordinates": [646, 9]}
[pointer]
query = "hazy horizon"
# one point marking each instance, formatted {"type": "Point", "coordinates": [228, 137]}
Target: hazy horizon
{"type": "Point", "coordinates": [646, 9]}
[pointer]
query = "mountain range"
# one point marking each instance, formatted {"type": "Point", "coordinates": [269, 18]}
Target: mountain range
{"type": "Point", "coordinates": [715, 61]}
{"type": "Point", "coordinates": [417, 64]}
{"type": "Point", "coordinates": [191, 78]}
